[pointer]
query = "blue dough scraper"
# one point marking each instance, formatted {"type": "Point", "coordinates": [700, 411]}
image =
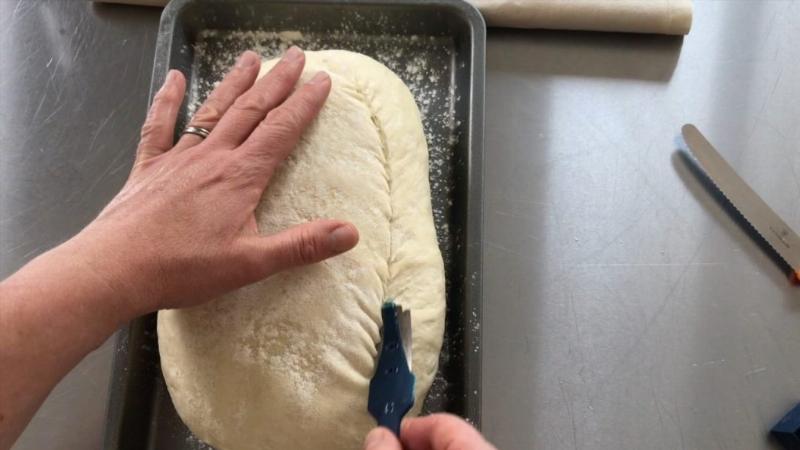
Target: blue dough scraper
{"type": "Point", "coordinates": [391, 390]}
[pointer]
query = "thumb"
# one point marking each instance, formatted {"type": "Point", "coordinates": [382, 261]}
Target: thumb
{"type": "Point", "coordinates": [381, 439]}
{"type": "Point", "coordinates": [300, 245]}
{"type": "Point", "coordinates": [158, 131]}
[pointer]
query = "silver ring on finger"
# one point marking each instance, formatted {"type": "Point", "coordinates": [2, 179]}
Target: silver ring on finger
{"type": "Point", "coordinates": [197, 131]}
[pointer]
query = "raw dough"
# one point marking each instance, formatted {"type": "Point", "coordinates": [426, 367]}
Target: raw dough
{"type": "Point", "coordinates": [286, 363]}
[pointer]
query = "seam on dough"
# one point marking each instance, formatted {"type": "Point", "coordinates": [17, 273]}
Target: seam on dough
{"type": "Point", "coordinates": [366, 99]}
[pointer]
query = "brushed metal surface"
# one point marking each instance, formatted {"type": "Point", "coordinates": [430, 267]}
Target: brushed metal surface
{"type": "Point", "coordinates": [73, 87]}
{"type": "Point", "coordinates": [623, 308]}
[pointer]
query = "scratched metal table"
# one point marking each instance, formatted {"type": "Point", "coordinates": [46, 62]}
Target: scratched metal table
{"type": "Point", "coordinates": [623, 307]}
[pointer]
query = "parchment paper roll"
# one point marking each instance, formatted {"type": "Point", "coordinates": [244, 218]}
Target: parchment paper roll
{"type": "Point", "coordinates": [637, 16]}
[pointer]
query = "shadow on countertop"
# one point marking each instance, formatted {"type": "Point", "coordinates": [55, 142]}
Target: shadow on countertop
{"type": "Point", "coordinates": [646, 57]}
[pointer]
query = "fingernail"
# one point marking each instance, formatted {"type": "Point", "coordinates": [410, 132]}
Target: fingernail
{"type": "Point", "coordinates": [319, 78]}
{"type": "Point", "coordinates": [293, 54]}
{"type": "Point", "coordinates": [374, 439]}
{"type": "Point", "coordinates": [247, 59]}
{"type": "Point", "coordinates": [169, 79]}
{"type": "Point", "coordinates": [340, 239]}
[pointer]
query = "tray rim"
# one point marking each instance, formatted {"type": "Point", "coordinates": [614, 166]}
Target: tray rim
{"type": "Point", "coordinates": [120, 376]}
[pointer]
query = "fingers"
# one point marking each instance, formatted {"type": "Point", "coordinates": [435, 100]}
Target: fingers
{"type": "Point", "coordinates": [249, 109]}
{"type": "Point", "coordinates": [441, 432]}
{"type": "Point", "coordinates": [381, 439]}
{"type": "Point", "coordinates": [300, 245]}
{"type": "Point", "coordinates": [434, 432]}
{"type": "Point", "coordinates": [278, 134]}
{"type": "Point", "coordinates": [237, 81]}
{"type": "Point", "coordinates": [158, 130]}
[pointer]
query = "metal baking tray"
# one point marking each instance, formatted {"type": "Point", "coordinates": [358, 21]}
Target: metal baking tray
{"type": "Point", "coordinates": [437, 47]}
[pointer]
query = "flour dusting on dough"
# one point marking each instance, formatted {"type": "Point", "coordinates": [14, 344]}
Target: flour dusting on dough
{"type": "Point", "coordinates": [286, 362]}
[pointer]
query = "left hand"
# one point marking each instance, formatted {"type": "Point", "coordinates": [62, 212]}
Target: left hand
{"type": "Point", "coordinates": [182, 229]}
{"type": "Point", "coordinates": [180, 232]}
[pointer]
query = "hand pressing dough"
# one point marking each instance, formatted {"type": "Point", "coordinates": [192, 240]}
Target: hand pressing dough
{"type": "Point", "coordinates": [285, 363]}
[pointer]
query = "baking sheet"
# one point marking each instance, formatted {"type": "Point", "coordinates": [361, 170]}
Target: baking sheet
{"type": "Point", "coordinates": [437, 49]}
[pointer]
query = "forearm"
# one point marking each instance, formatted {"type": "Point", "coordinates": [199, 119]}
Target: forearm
{"type": "Point", "coordinates": [53, 312]}
{"type": "Point", "coordinates": [181, 231]}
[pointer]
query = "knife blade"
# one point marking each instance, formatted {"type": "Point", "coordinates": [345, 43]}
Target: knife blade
{"type": "Point", "coordinates": [754, 210]}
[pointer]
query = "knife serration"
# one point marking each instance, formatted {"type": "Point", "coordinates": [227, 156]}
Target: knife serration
{"type": "Point", "coordinates": [755, 210]}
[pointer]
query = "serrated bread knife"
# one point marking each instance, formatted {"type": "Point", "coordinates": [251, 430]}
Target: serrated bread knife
{"type": "Point", "coordinates": [760, 216]}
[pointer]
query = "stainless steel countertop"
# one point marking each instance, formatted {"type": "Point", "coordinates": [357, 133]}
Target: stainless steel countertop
{"type": "Point", "coordinates": [623, 307]}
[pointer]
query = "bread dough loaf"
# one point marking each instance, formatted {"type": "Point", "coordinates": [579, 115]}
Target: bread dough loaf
{"type": "Point", "coordinates": [285, 363]}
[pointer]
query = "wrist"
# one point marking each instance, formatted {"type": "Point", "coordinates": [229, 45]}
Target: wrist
{"type": "Point", "coordinates": [87, 279]}
{"type": "Point", "coordinates": [117, 281]}
{"type": "Point", "coordinates": [56, 296]}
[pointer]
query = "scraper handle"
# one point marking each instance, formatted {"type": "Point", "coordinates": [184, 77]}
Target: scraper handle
{"type": "Point", "coordinates": [391, 390]}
